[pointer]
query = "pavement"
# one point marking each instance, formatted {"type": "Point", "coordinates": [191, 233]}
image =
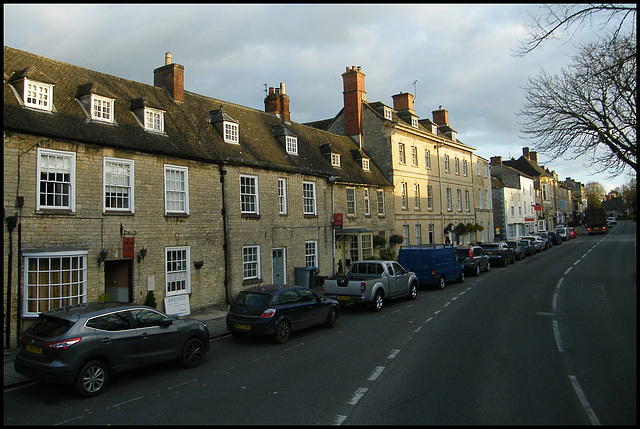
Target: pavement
{"type": "Point", "coordinates": [214, 318]}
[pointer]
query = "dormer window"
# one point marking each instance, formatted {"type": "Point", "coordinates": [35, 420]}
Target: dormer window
{"type": "Point", "coordinates": [292, 145]}
{"type": "Point", "coordinates": [153, 120]}
{"type": "Point", "coordinates": [102, 108]}
{"type": "Point", "coordinates": [453, 136]}
{"type": "Point", "coordinates": [231, 134]}
{"type": "Point", "coordinates": [228, 127]}
{"type": "Point", "coordinates": [365, 164]}
{"type": "Point", "coordinates": [388, 113]}
{"type": "Point", "coordinates": [434, 129]}
{"type": "Point", "coordinates": [414, 122]}
{"type": "Point", "coordinates": [335, 159]}
{"type": "Point", "coordinates": [38, 95]}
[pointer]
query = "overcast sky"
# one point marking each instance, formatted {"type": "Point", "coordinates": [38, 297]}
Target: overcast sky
{"type": "Point", "coordinates": [462, 57]}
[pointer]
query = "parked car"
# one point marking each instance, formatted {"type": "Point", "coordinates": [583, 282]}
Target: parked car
{"type": "Point", "coordinates": [473, 258]}
{"type": "Point", "coordinates": [500, 252]}
{"type": "Point", "coordinates": [611, 220]}
{"type": "Point", "coordinates": [555, 238]}
{"type": "Point", "coordinates": [433, 264]}
{"type": "Point", "coordinates": [372, 282]}
{"type": "Point", "coordinates": [561, 230]}
{"type": "Point", "coordinates": [545, 237]}
{"type": "Point", "coordinates": [529, 247]}
{"type": "Point", "coordinates": [536, 241]}
{"type": "Point", "coordinates": [572, 232]}
{"type": "Point", "coordinates": [85, 344]}
{"type": "Point", "coordinates": [518, 248]}
{"type": "Point", "coordinates": [278, 310]}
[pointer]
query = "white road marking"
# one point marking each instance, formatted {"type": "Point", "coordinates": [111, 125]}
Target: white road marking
{"type": "Point", "coordinates": [556, 333]}
{"type": "Point", "coordinates": [126, 402]}
{"type": "Point", "coordinates": [359, 393]}
{"type": "Point", "coordinates": [583, 401]}
{"type": "Point", "coordinates": [339, 420]}
{"type": "Point", "coordinates": [376, 373]}
{"type": "Point", "coordinates": [393, 354]}
{"type": "Point", "coordinates": [67, 421]}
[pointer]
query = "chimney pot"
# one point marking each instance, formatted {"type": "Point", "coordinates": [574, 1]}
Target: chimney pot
{"type": "Point", "coordinates": [282, 88]}
{"type": "Point", "coordinates": [167, 58]}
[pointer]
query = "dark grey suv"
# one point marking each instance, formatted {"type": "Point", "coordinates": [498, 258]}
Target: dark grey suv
{"type": "Point", "coordinates": [85, 343]}
{"type": "Point", "coordinates": [474, 259]}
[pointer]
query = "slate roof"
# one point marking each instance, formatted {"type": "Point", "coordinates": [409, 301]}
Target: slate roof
{"type": "Point", "coordinates": [189, 134]}
{"type": "Point", "coordinates": [526, 166]}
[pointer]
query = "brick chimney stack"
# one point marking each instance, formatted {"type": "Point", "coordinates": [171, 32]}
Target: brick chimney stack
{"type": "Point", "coordinates": [170, 77]}
{"type": "Point", "coordinates": [525, 152]}
{"type": "Point", "coordinates": [440, 116]}
{"type": "Point", "coordinates": [496, 160]}
{"type": "Point", "coordinates": [277, 103]}
{"type": "Point", "coordinates": [533, 156]}
{"type": "Point", "coordinates": [354, 94]}
{"type": "Point", "coordinates": [403, 101]}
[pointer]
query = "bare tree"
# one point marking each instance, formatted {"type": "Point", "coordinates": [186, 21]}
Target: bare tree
{"type": "Point", "coordinates": [590, 109]}
{"type": "Point", "coordinates": [558, 21]}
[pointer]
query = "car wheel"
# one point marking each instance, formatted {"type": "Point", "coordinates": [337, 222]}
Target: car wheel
{"type": "Point", "coordinates": [488, 267]}
{"type": "Point", "coordinates": [283, 331]}
{"type": "Point", "coordinates": [461, 278]}
{"type": "Point", "coordinates": [192, 353]}
{"type": "Point", "coordinates": [331, 318]}
{"type": "Point", "coordinates": [92, 378]}
{"type": "Point", "coordinates": [442, 282]}
{"type": "Point", "coordinates": [378, 301]}
{"type": "Point", "coordinates": [477, 270]}
{"type": "Point", "coordinates": [413, 291]}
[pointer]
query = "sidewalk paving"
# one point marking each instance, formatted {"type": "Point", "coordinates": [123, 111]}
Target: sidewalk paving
{"type": "Point", "coordinates": [214, 318]}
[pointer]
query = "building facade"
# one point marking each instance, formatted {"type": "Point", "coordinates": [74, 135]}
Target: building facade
{"type": "Point", "coordinates": [438, 197]}
{"type": "Point", "coordinates": [114, 187]}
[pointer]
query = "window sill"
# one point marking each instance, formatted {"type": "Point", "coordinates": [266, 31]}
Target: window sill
{"type": "Point", "coordinates": [55, 212]}
{"type": "Point", "coordinates": [168, 215]}
{"type": "Point", "coordinates": [310, 216]}
{"type": "Point", "coordinates": [250, 216]}
{"type": "Point", "coordinates": [117, 213]}
{"type": "Point", "coordinates": [251, 281]}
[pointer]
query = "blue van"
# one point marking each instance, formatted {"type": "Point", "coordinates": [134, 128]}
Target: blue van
{"type": "Point", "coordinates": [434, 264]}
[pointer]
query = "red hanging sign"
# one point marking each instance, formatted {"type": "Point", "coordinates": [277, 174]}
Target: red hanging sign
{"type": "Point", "coordinates": [128, 247]}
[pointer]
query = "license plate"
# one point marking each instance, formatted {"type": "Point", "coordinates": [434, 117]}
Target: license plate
{"type": "Point", "coordinates": [243, 327]}
{"type": "Point", "coordinates": [33, 349]}
{"type": "Point", "coordinates": [344, 298]}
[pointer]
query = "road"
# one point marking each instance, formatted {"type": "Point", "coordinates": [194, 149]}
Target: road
{"type": "Point", "coordinates": [549, 340]}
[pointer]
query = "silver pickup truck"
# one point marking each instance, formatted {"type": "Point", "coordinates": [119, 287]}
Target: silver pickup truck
{"type": "Point", "coordinates": [372, 282]}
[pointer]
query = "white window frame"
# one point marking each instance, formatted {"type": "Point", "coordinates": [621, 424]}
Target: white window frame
{"type": "Point", "coordinates": [309, 205]}
{"type": "Point", "coordinates": [101, 108]}
{"type": "Point", "coordinates": [172, 192]}
{"type": "Point", "coordinates": [414, 122]}
{"type": "Point", "coordinates": [177, 270]}
{"type": "Point", "coordinates": [335, 159]}
{"type": "Point", "coordinates": [418, 233]}
{"type": "Point", "coordinates": [449, 200]}
{"type": "Point", "coordinates": [282, 196]}
{"type": "Point", "coordinates": [405, 232]}
{"type": "Point", "coordinates": [414, 156]}
{"type": "Point", "coordinates": [311, 253]}
{"type": "Point", "coordinates": [434, 129]}
{"type": "Point", "coordinates": [388, 113]}
{"type": "Point", "coordinates": [403, 194]}
{"type": "Point", "coordinates": [118, 182]}
{"type": "Point", "coordinates": [380, 201]}
{"type": "Point", "coordinates": [367, 202]}
{"type": "Point", "coordinates": [38, 95]}
{"type": "Point", "coordinates": [56, 185]}
{"type": "Point", "coordinates": [446, 163]}
{"type": "Point", "coordinates": [427, 159]}
{"type": "Point", "coordinates": [480, 197]}
{"type": "Point", "coordinates": [416, 196]}
{"type": "Point", "coordinates": [402, 157]}
{"type": "Point", "coordinates": [153, 120]}
{"type": "Point", "coordinates": [292, 144]}
{"type": "Point", "coordinates": [459, 195]}
{"type": "Point", "coordinates": [454, 136]}
{"type": "Point", "coordinates": [231, 132]}
{"type": "Point", "coordinates": [464, 168]}
{"type": "Point", "coordinates": [365, 164]}
{"type": "Point", "coordinates": [350, 194]}
{"type": "Point", "coordinates": [429, 197]}
{"type": "Point", "coordinates": [467, 201]}
{"type": "Point", "coordinates": [73, 279]}
{"type": "Point", "coordinates": [366, 245]}
{"type": "Point", "coordinates": [251, 267]}
{"type": "Point", "coordinates": [249, 194]}
{"type": "Point", "coordinates": [456, 163]}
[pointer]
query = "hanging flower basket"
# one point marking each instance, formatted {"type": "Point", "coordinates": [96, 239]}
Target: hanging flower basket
{"type": "Point", "coordinates": [471, 227]}
{"type": "Point", "coordinates": [448, 228]}
{"type": "Point", "coordinates": [379, 241]}
{"type": "Point", "coordinates": [396, 239]}
{"type": "Point", "coordinates": [461, 229]}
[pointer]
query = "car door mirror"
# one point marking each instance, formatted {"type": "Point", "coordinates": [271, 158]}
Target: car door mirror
{"type": "Point", "coordinates": [166, 322]}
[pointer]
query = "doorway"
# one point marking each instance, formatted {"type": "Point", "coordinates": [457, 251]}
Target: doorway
{"type": "Point", "coordinates": [279, 266]}
{"type": "Point", "coordinates": [118, 280]}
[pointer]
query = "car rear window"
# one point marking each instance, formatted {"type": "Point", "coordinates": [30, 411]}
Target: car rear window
{"type": "Point", "coordinates": [252, 299]}
{"type": "Point", "coordinates": [50, 327]}
{"type": "Point", "coordinates": [490, 246]}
